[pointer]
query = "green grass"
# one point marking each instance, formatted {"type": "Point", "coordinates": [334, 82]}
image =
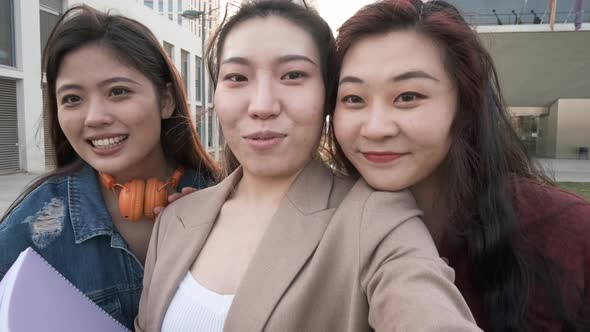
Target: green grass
{"type": "Point", "coordinates": [579, 188]}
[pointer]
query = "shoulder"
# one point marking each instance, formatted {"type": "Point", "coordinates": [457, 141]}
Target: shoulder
{"type": "Point", "coordinates": [52, 192]}
{"type": "Point", "coordinates": [388, 220]}
{"type": "Point", "coordinates": [193, 209]}
{"type": "Point", "coordinates": [382, 207]}
{"type": "Point", "coordinates": [537, 203]}
{"type": "Point", "coordinates": [557, 223]}
{"type": "Point", "coordinates": [31, 219]}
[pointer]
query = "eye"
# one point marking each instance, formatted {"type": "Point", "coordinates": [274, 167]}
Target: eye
{"type": "Point", "coordinates": [70, 100]}
{"type": "Point", "coordinates": [293, 75]}
{"type": "Point", "coordinates": [118, 92]}
{"type": "Point", "coordinates": [408, 97]}
{"type": "Point", "coordinates": [235, 78]}
{"type": "Point", "coordinates": [352, 99]}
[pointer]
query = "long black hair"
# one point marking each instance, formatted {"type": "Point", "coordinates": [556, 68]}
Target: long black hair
{"type": "Point", "coordinates": [484, 159]}
{"type": "Point", "coordinates": [136, 46]}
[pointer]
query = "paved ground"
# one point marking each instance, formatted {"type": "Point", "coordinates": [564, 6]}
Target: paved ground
{"type": "Point", "coordinates": [563, 170]}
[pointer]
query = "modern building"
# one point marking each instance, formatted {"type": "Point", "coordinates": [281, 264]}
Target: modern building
{"type": "Point", "coordinates": [24, 29]}
{"type": "Point", "coordinates": [544, 74]}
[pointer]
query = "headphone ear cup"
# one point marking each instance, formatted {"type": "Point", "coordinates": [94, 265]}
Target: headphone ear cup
{"type": "Point", "coordinates": [155, 195]}
{"type": "Point", "coordinates": [131, 200]}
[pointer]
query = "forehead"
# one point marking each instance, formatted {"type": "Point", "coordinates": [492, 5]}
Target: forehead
{"type": "Point", "coordinates": [395, 52]}
{"type": "Point", "coordinates": [268, 37]}
{"type": "Point", "coordinates": [105, 63]}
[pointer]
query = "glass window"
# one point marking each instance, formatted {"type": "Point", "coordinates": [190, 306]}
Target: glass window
{"type": "Point", "coordinates": [170, 10]}
{"type": "Point", "coordinates": [161, 7]}
{"type": "Point", "coordinates": [149, 3]}
{"type": "Point", "coordinates": [47, 22]}
{"type": "Point", "coordinates": [200, 123]}
{"type": "Point", "coordinates": [169, 48]}
{"type": "Point", "coordinates": [198, 78]}
{"type": "Point", "coordinates": [210, 94]}
{"type": "Point", "coordinates": [6, 33]}
{"type": "Point", "coordinates": [53, 4]}
{"type": "Point", "coordinates": [184, 68]}
{"type": "Point", "coordinates": [210, 120]}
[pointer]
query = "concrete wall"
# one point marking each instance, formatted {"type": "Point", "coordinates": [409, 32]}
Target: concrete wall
{"type": "Point", "coordinates": [27, 74]}
{"type": "Point", "coordinates": [573, 127]}
{"type": "Point", "coordinates": [547, 133]}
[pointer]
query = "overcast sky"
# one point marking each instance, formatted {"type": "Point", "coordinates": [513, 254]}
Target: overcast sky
{"type": "Point", "coordinates": [335, 12]}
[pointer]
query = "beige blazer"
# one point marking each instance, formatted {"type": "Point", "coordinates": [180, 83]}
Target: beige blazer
{"type": "Point", "coordinates": [337, 256]}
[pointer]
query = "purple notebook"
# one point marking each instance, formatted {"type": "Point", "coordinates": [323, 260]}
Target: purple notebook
{"type": "Point", "coordinates": [35, 297]}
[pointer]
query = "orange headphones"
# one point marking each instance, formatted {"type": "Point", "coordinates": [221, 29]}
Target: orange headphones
{"type": "Point", "coordinates": [138, 197]}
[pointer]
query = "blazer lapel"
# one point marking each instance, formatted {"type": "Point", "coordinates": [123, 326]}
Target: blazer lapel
{"type": "Point", "coordinates": [291, 238]}
{"type": "Point", "coordinates": [191, 230]}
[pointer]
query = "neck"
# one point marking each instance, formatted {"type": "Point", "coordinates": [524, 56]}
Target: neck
{"type": "Point", "coordinates": [256, 190]}
{"type": "Point", "coordinates": [428, 195]}
{"type": "Point", "coordinates": [154, 165]}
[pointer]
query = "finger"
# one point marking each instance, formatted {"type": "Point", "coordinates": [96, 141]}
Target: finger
{"type": "Point", "coordinates": [174, 197]}
{"type": "Point", "coordinates": [157, 210]}
{"type": "Point", "coordinates": [188, 190]}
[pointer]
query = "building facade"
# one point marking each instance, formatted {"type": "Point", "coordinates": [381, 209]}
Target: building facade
{"type": "Point", "coordinates": [544, 74]}
{"type": "Point", "coordinates": [24, 29]}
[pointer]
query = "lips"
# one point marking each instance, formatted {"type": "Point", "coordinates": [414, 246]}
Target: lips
{"type": "Point", "coordinates": [107, 142]}
{"type": "Point", "coordinates": [263, 140]}
{"type": "Point", "coordinates": [381, 157]}
{"type": "Point", "coordinates": [264, 135]}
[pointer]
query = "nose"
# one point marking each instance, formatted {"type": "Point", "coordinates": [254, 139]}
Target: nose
{"type": "Point", "coordinates": [380, 123]}
{"type": "Point", "coordinates": [265, 103]}
{"type": "Point", "coordinates": [98, 113]}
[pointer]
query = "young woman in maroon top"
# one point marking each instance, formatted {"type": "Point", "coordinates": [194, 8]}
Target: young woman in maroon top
{"type": "Point", "coordinates": [419, 107]}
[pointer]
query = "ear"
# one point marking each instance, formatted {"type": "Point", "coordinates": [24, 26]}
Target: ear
{"type": "Point", "coordinates": [167, 104]}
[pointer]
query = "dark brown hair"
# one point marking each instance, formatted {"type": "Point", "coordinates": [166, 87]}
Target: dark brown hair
{"type": "Point", "coordinates": [136, 46]}
{"type": "Point", "coordinates": [485, 155]}
{"type": "Point", "coordinates": [302, 16]}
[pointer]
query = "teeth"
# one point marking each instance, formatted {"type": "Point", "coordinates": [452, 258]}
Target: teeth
{"type": "Point", "coordinates": [108, 142]}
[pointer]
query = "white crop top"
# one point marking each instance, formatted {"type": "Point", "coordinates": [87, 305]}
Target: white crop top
{"type": "Point", "coordinates": [196, 308]}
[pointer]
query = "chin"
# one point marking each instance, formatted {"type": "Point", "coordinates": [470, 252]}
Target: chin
{"type": "Point", "coordinates": [108, 166]}
{"type": "Point", "coordinates": [272, 168]}
{"type": "Point", "coordinates": [384, 184]}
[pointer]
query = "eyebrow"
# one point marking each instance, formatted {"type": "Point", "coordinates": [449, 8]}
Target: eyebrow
{"type": "Point", "coordinates": [414, 74]}
{"type": "Point", "coordinates": [101, 84]}
{"type": "Point", "coordinates": [295, 57]}
{"type": "Point", "coordinates": [282, 59]}
{"type": "Point", "coordinates": [399, 78]}
{"type": "Point", "coordinates": [237, 60]}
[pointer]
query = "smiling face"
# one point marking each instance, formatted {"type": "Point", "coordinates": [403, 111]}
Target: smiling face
{"type": "Point", "coordinates": [395, 107]}
{"type": "Point", "coordinates": [110, 113]}
{"type": "Point", "coordinates": [270, 96]}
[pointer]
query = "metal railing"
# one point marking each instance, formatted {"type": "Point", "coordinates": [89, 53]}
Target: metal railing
{"type": "Point", "coordinates": [513, 17]}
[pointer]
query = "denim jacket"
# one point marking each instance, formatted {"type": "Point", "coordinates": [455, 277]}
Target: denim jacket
{"type": "Point", "coordinates": [67, 222]}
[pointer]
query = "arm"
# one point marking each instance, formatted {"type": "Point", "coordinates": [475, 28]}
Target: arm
{"type": "Point", "coordinates": [408, 286]}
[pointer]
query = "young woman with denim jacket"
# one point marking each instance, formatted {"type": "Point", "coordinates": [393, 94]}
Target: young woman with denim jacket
{"type": "Point", "coordinates": [116, 106]}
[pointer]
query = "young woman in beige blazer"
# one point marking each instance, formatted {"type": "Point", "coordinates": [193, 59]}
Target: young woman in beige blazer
{"type": "Point", "coordinates": [299, 248]}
